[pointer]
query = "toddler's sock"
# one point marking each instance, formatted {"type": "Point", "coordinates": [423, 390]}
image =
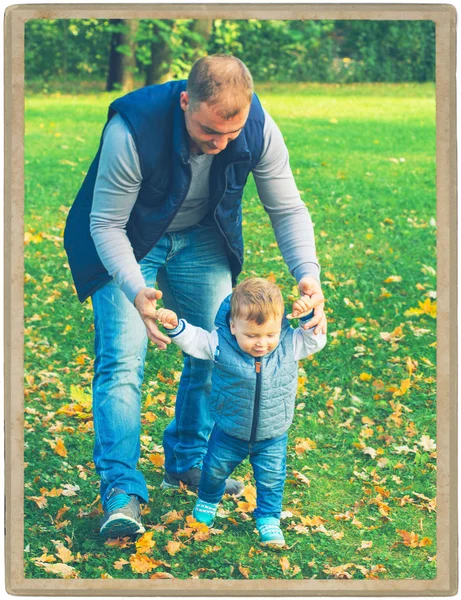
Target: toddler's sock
{"type": "Point", "coordinates": [205, 512]}
{"type": "Point", "coordinates": [270, 532]}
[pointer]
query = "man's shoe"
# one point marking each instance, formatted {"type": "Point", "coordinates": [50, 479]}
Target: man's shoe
{"type": "Point", "coordinates": [122, 515]}
{"type": "Point", "coordinates": [191, 478]}
{"type": "Point", "coordinates": [270, 532]}
{"type": "Point", "coordinates": [205, 512]}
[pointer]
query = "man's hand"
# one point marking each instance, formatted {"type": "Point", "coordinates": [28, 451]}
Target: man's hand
{"type": "Point", "coordinates": [167, 318]}
{"type": "Point", "coordinates": [145, 302]}
{"type": "Point", "coordinates": [309, 286]}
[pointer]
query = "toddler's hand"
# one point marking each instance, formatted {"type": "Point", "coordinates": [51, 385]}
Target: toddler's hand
{"type": "Point", "coordinates": [301, 307]}
{"type": "Point", "coordinates": [167, 318]}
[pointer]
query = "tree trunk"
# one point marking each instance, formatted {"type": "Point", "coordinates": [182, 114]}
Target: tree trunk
{"type": "Point", "coordinates": [122, 64]}
{"type": "Point", "coordinates": [159, 67]}
{"type": "Point", "coordinates": [203, 27]}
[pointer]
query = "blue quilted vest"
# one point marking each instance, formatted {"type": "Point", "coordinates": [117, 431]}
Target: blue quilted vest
{"type": "Point", "coordinates": [157, 124]}
{"type": "Point", "coordinates": [241, 405]}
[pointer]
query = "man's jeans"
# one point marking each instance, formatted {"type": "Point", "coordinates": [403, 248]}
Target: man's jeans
{"type": "Point", "coordinates": [268, 459]}
{"type": "Point", "coordinates": [192, 271]}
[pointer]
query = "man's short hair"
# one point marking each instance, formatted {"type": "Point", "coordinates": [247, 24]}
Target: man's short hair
{"type": "Point", "coordinates": [256, 299]}
{"type": "Point", "coordinates": [220, 79]}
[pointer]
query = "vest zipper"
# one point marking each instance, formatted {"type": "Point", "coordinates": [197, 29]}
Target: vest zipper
{"type": "Point", "coordinates": [254, 425]}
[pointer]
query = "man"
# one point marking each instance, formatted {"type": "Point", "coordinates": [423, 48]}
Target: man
{"type": "Point", "coordinates": [161, 204]}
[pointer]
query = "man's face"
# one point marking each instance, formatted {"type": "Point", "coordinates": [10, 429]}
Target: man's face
{"type": "Point", "coordinates": [209, 132]}
{"type": "Point", "coordinates": [257, 340]}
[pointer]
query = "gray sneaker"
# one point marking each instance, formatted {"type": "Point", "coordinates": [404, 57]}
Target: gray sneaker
{"type": "Point", "coordinates": [122, 515]}
{"type": "Point", "coordinates": [191, 478]}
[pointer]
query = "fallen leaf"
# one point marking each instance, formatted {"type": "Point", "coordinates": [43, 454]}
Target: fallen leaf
{"type": "Point", "coordinates": [173, 547]}
{"type": "Point", "coordinates": [285, 564]}
{"type": "Point", "coordinates": [162, 575]}
{"type": "Point", "coordinates": [120, 563]}
{"type": "Point", "coordinates": [245, 571]}
{"type": "Point", "coordinates": [302, 478]}
{"type": "Point", "coordinates": [40, 501]}
{"type": "Point", "coordinates": [427, 443]}
{"type": "Point", "coordinates": [60, 448]}
{"type": "Point", "coordinates": [157, 459]}
{"type": "Point", "coordinates": [145, 543]}
{"type": "Point", "coordinates": [64, 554]}
{"type": "Point", "coordinates": [60, 569]}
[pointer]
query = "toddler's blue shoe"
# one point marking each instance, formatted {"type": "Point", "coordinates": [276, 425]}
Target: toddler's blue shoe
{"type": "Point", "coordinates": [270, 532]}
{"type": "Point", "coordinates": [205, 512]}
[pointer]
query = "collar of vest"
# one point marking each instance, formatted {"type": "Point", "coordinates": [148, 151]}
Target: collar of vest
{"type": "Point", "coordinates": [222, 323]}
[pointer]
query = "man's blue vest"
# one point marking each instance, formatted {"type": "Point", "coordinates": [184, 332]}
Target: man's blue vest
{"type": "Point", "coordinates": [156, 121]}
{"type": "Point", "coordinates": [238, 405]}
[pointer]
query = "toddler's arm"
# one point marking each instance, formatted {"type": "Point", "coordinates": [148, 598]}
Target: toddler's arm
{"type": "Point", "coordinates": [305, 342]}
{"type": "Point", "coordinates": [195, 341]}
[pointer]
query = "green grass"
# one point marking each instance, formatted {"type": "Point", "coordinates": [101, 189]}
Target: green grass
{"type": "Point", "coordinates": [374, 218]}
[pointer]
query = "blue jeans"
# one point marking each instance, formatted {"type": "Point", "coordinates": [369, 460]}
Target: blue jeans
{"type": "Point", "coordinates": [192, 270]}
{"type": "Point", "coordinates": [268, 459]}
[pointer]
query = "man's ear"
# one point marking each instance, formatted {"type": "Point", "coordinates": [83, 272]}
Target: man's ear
{"type": "Point", "coordinates": [184, 101]}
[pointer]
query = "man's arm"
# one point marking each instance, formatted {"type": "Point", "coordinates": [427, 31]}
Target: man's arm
{"type": "Point", "coordinates": [116, 190]}
{"type": "Point", "coordinates": [289, 216]}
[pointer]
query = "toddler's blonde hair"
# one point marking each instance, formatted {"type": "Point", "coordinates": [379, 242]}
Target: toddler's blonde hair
{"type": "Point", "coordinates": [256, 299]}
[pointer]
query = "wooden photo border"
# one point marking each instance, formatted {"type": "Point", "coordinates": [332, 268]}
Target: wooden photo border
{"type": "Point", "coordinates": [445, 583]}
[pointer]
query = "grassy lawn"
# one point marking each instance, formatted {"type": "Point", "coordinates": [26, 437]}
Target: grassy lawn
{"type": "Point", "coordinates": [361, 481]}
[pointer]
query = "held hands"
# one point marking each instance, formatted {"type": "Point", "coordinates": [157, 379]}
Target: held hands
{"type": "Point", "coordinates": [167, 318]}
{"type": "Point", "coordinates": [310, 287]}
{"type": "Point", "coordinates": [146, 302]}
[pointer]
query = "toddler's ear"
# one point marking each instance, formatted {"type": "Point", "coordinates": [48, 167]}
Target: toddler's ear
{"type": "Point", "coordinates": [232, 327]}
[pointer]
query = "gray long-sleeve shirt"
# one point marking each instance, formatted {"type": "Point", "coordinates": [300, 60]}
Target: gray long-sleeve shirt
{"type": "Point", "coordinates": [119, 180]}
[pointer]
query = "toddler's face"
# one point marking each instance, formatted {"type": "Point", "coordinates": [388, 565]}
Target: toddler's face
{"type": "Point", "coordinates": [257, 340]}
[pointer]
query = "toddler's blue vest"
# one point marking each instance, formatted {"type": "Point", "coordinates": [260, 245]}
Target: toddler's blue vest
{"type": "Point", "coordinates": [157, 124]}
{"type": "Point", "coordinates": [233, 389]}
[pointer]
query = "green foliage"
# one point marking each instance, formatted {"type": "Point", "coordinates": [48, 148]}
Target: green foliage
{"type": "Point", "coordinates": [322, 51]}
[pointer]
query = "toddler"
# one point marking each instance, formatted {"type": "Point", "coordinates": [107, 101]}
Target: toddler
{"type": "Point", "coordinates": [252, 400]}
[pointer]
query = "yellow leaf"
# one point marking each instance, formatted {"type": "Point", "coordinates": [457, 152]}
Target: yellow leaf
{"type": "Point", "coordinates": [60, 448]}
{"type": "Point", "coordinates": [245, 571]}
{"type": "Point", "coordinates": [365, 377]}
{"type": "Point", "coordinates": [272, 277]}
{"type": "Point", "coordinates": [151, 417]}
{"type": "Point", "coordinates": [64, 554]}
{"type": "Point", "coordinates": [120, 563]}
{"type": "Point", "coordinates": [157, 459]}
{"type": "Point", "coordinates": [79, 396]}
{"type": "Point", "coordinates": [40, 501]}
{"type": "Point", "coordinates": [145, 543]}
{"type": "Point", "coordinates": [173, 547]}
{"type": "Point", "coordinates": [162, 575]}
{"type": "Point", "coordinates": [285, 564]}
{"type": "Point", "coordinates": [141, 563]}
{"type": "Point", "coordinates": [304, 445]}
{"type": "Point", "coordinates": [393, 279]}
{"type": "Point", "coordinates": [410, 539]}
{"type": "Point", "coordinates": [425, 542]}
{"type": "Point", "coordinates": [171, 516]}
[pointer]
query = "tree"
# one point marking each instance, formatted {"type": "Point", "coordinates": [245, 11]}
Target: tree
{"type": "Point", "coordinates": [122, 60]}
